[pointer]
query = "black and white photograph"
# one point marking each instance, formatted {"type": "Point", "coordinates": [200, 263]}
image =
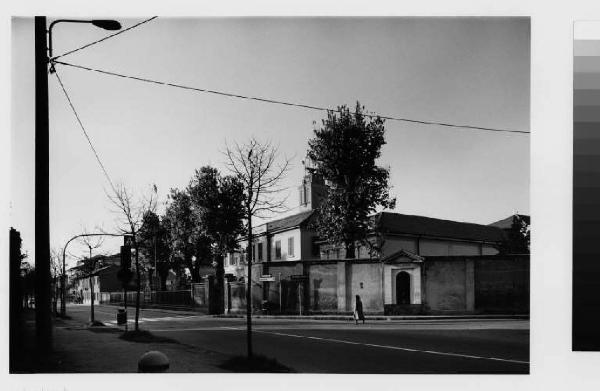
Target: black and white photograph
{"type": "Point", "coordinates": [298, 195]}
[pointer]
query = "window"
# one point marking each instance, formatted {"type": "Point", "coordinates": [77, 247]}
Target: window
{"type": "Point", "coordinates": [260, 251]}
{"type": "Point", "coordinates": [291, 246]}
{"type": "Point", "coordinates": [278, 249]}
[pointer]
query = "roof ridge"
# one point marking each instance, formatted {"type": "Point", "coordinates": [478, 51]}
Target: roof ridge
{"type": "Point", "coordinates": [433, 218]}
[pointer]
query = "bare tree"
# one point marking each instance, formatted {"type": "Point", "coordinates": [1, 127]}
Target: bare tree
{"type": "Point", "coordinates": [131, 211]}
{"type": "Point", "coordinates": [260, 168]}
{"type": "Point", "coordinates": [55, 272]}
{"type": "Point", "coordinates": [92, 243]}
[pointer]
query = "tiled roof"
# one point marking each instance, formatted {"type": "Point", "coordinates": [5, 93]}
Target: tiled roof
{"type": "Point", "coordinates": [289, 222]}
{"type": "Point", "coordinates": [397, 223]}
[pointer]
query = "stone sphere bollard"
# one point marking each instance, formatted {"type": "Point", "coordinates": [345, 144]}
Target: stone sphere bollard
{"type": "Point", "coordinates": [152, 362]}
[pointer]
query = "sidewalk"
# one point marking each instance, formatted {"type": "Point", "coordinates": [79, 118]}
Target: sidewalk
{"type": "Point", "coordinates": [341, 317]}
{"type": "Point", "coordinates": [379, 317]}
{"type": "Point", "coordinates": [80, 349]}
{"type": "Point", "coordinates": [170, 310]}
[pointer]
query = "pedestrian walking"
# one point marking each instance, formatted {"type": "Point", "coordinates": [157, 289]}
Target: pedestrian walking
{"type": "Point", "coordinates": [358, 310]}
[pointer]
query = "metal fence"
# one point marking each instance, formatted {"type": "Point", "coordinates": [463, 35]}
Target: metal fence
{"type": "Point", "coordinates": [163, 298]}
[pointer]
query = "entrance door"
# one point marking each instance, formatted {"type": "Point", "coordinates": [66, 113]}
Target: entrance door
{"type": "Point", "coordinates": [403, 288]}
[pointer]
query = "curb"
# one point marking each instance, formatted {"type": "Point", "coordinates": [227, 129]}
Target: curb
{"type": "Point", "coordinates": [186, 311]}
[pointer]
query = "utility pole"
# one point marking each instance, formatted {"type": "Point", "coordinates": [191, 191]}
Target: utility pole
{"type": "Point", "coordinates": [43, 324]}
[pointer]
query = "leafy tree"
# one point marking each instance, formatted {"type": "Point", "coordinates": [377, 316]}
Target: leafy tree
{"type": "Point", "coordinates": [154, 246]}
{"type": "Point", "coordinates": [19, 269]}
{"type": "Point", "coordinates": [217, 207]}
{"type": "Point", "coordinates": [259, 167]}
{"type": "Point", "coordinates": [190, 247]}
{"type": "Point", "coordinates": [344, 152]}
{"type": "Point", "coordinates": [28, 281]}
{"type": "Point", "coordinates": [518, 236]}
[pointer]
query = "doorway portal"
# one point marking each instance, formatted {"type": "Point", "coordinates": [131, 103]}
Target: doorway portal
{"type": "Point", "coordinates": [403, 288]}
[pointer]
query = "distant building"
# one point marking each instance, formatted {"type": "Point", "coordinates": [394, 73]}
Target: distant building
{"type": "Point", "coordinates": [422, 265]}
{"type": "Point", "coordinates": [104, 279]}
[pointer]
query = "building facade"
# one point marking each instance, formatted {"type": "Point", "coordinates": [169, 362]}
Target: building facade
{"type": "Point", "coordinates": [422, 265]}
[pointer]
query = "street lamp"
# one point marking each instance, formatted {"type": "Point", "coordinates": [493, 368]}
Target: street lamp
{"type": "Point", "coordinates": [105, 24]}
{"type": "Point", "coordinates": [63, 305]}
{"type": "Point", "coordinates": [43, 38]}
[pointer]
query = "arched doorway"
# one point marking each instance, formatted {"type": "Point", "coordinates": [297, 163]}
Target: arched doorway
{"type": "Point", "coordinates": [403, 288]}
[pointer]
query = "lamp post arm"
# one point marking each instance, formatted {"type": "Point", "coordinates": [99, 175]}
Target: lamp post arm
{"type": "Point", "coordinates": [50, 31]}
{"type": "Point", "coordinates": [63, 308]}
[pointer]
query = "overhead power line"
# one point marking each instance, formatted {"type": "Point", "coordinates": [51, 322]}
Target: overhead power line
{"type": "Point", "coordinates": [85, 133]}
{"type": "Point", "coordinates": [279, 102]}
{"type": "Point", "coordinates": [105, 38]}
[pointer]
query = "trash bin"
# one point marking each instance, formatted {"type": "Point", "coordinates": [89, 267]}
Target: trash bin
{"type": "Point", "coordinates": [121, 316]}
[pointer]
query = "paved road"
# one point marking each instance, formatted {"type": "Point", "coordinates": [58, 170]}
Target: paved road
{"type": "Point", "coordinates": [319, 346]}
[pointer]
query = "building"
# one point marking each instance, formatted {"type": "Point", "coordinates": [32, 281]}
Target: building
{"type": "Point", "coordinates": [423, 265]}
{"type": "Point", "coordinates": [104, 279]}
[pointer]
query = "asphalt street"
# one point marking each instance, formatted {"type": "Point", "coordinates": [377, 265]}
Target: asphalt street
{"type": "Point", "coordinates": [334, 346]}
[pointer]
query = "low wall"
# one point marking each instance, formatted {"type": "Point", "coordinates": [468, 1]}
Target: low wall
{"type": "Point", "coordinates": [444, 285]}
{"type": "Point", "coordinates": [322, 285]}
{"type": "Point", "coordinates": [449, 285]}
{"type": "Point", "coordinates": [480, 284]}
{"type": "Point", "coordinates": [502, 285]}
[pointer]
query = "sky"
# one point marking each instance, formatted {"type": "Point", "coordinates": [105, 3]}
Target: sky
{"type": "Point", "coordinates": [472, 71]}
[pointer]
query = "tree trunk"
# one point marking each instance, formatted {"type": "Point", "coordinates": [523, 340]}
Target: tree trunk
{"type": "Point", "coordinates": [138, 278]}
{"type": "Point", "coordinates": [350, 250]}
{"type": "Point", "coordinates": [195, 272]}
{"type": "Point", "coordinates": [219, 285]}
{"type": "Point", "coordinates": [55, 296]}
{"type": "Point", "coordinates": [125, 305]}
{"type": "Point", "coordinates": [249, 288]}
{"type": "Point", "coordinates": [163, 280]}
{"type": "Point", "coordinates": [92, 297]}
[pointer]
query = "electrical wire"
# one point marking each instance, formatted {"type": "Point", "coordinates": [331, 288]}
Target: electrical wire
{"type": "Point", "coordinates": [85, 132]}
{"type": "Point", "coordinates": [279, 102]}
{"type": "Point", "coordinates": [105, 38]}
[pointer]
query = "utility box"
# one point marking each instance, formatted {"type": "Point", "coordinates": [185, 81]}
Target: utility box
{"type": "Point", "coordinates": [121, 316]}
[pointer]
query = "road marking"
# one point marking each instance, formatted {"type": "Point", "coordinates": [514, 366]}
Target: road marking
{"type": "Point", "coordinates": [353, 343]}
{"type": "Point", "coordinates": [390, 347]}
{"type": "Point", "coordinates": [188, 329]}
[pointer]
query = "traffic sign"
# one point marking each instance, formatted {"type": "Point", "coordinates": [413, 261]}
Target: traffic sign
{"type": "Point", "coordinates": [266, 278]}
{"type": "Point", "coordinates": [128, 240]}
{"type": "Point", "coordinates": [125, 276]}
